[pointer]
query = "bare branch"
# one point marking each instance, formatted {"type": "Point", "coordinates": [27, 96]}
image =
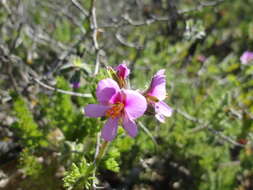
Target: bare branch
{"type": "Point", "coordinates": [95, 31]}
{"type": "Point", "coordinates": [224, 137]}
{"type": "Point", "coordinates": [127, 21]}
{"type": "Point", "coordinates": [62, 91]}
{"type": "Point", "coordinates": [42, 37]}
{"type": "Point", "coordinates": [77, 5]}
{"type": "Point", "coordinates": [147, 131]}
{"type": "Point", "coordinates": [206, 125]}
{"type": "Point", "coordinates": [125, 43]}
{"type": "Point", "coordinates": [201, 5]}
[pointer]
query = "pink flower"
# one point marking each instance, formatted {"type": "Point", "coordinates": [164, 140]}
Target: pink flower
{"type": "Point", "coordinates": [201, 58]}
{"type": "Point", "coordinates": [156, 94]}
{"type": "Point", "coordinates": [246, 57]}
{"type": "Point", "coordinates": [119, 106]}
{"type": "Point", "coordinates": [75, 84]}
{"type": "Point", "coordinates": [122, 71]}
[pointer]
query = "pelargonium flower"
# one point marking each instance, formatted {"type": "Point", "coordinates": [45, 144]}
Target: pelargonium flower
{"type": "Point", "coordinates": [120, 106]}
{"type": "Point", "coordinates": [75, 84]}
{"type": "Point", "coordinates": [246, 57]}
{"type": "Point", "coordinates": [201, 58]}
{"type": "Point", "coordinates": [155, 95]}
{"type": "Point", "coordinates": [120, 74]}
{"type": "Point", "coordinates": [122, 71]}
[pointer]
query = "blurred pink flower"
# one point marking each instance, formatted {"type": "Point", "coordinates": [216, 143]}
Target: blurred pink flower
{"type": "Point", "coordinates": [75, 84]}
{"type": "Point", "coordinates": [120, 106]}
{"type": "Point", "coordinates": [122, 71]}
{"type": "Point", "coordinates": [201, 58]}
{"type": "Point", "coordinates": [246, 57]}
{"type": "Point", "coordinates": [156, 94]}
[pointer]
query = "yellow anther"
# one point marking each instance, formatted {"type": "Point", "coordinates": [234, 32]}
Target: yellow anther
{"type": "Point", "coordinates": [115, 110]}
{"type": "Point", "coordinates": [151, 98]}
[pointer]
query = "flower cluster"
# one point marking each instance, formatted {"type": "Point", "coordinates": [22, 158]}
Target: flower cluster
{"type": "Point", "coordinates": [123, 106]}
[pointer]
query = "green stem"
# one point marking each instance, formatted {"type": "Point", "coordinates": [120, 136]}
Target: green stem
{"type": "Point", "coordinates": [101, 153]}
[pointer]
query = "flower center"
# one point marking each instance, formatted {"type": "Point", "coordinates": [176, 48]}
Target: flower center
{"type": "Point", "coordinates": [115, 110]}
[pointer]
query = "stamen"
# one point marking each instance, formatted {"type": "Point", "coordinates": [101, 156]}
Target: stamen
{"type": "Point", "coordinates": [115, 110]}
{"type": "Point", "coordinates": [151, 98]}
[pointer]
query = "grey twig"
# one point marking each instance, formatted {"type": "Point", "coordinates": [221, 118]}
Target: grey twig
{"type": "Point", "coordinates": [94, 29]}
{"type": "Point", "coordinates": [224, 137]}
{"type": "Point", "coordinates": [127, 18]}
{"type": "Point", "coordinates": [206, 125]}
{"type": "Point", "coordinates": [125, 43]}
{"type": "Point", "coordinates": [77, 5]}
{"type": "Point", "coordinates": [97, 145]}
{"type": "Point", "coordinates": [62, 91]}
{"type": "Point", "coordinates": [42, 37]}
{"type": "Point", "coordinates": [147, 131]}
{"type": "Point", "coordinates": [127, 21]}
{"type": "Point", "coordinates": [201, 5]}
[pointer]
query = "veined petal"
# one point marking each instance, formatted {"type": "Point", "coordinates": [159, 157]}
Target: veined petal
{"type": "Point", "coordinates": [160, 72]}
{"type": "Point", "coordinates": [106, 90]}
{"type": "Point", "coordinates": [135, 104]}
{"type": "Point", "coordinates": [130, 126]}
{"type": "Point", "coordinates": [160, 118]}
{"type": "Point", "coordinates": [109, 130]}
{"type": "Point", "coordinates": [158, 85]}
{"type": "Point", "coordinates": [162, 108]}
{"type": "Point", "coordinates": [95, 110]}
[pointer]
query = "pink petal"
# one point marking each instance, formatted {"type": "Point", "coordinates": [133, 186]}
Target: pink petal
{"type": "Point", "coordinates": [158, 85]}
{"type": "Point", "coordinates": [106, 90]}
{"type": "Point", "coordinates": [160, 118]}
{"type": "Point", "coordinates": [246, 57]}
{"type": "Point", "coordinates": [160, 72]}
{"type": "Point", "coordinates": [130, 126]}
{"type": "Point", "coordinates": [163, 109]}
{"type": "Point", "coordinates": [95, 110]}
{"type": "Point", "coordinates": [201, 58]}
{"type": "Point", "coordinates": [122, 71]}
{"type": "Point", "coordinates": [135, 104]}
{"type": "Point", "coordinates": [109, 131]}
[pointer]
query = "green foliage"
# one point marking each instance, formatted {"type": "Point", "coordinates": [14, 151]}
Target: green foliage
{"type": "Point", "coordinates": [30, 164]}
{"type": "Point", "coordinates": [63, 114]}
{"type": "Point", "coordinates": [79, 176]}
{"type": "Point", "coordinates": [111, 160]}
{"type": "Point", "coordinates": [27, 128]}
{"type": "Point", "coordinates": [211, 97]}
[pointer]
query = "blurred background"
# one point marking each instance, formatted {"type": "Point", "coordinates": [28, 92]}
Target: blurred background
{"type": "Point", "coordinates": [53, 53]}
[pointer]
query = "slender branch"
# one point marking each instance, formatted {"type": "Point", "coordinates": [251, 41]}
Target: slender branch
{"type": "Point", "coordinates": [94, 24]}
{"type": "Point", "coordinates": [147, 131]}
{"type": "Point", "coordinates": [97, 145]}
{"type": "Point", "coordinates": [94, 28]}
{"type": "Point", "coordinates": [206, 125]}
{"type": "Point", "coordinates": [62, 91]}
{"type": "Point", "coordinates": [201, 5]}
{"type": "Point", "coordinates": [101, 153]}
{"type": "Point", "coordinates": [95, 157]}
{"type": "Point", "coordinates": [77, 5]}
{"type": "Point", "coordinates": [97, 63]}
{"type": "Point", "coordinates": [127, 18]}
{"type": "Point", "coordinates": [14, 42]}
{"type": "Point", "coordinates": [127, 21]}
{"type": "Point", "coordinates": [224, 137]}
{"type": "Point", "coordinates": [125, 43]}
